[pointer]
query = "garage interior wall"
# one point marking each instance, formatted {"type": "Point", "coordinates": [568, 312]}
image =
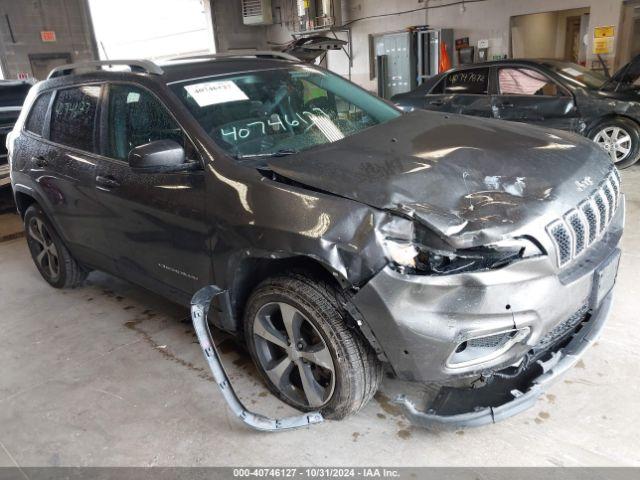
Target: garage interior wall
{"type": "Point", "coordinates": [230, 33]}
{"type": "Point", "coordinates": [542, 35]}
{"type": "Point", "coordinates": [22, 22]}
{"type": "Point", "coordinates": [488, 19]}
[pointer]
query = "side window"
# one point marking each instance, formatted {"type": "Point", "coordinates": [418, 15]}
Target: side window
{"type": "Point", "coordinates": [73, 117]}
{"type": "Point", "coordinates": [38, 113]}
{"type": "Point", "coordinates": [136, 117]}
{"type": "Point", "coordinates": [439, 88]}
{"type": "Point", "coordinates": [470, 82]}
{"type": "Point", "coordinates": [522, 81]}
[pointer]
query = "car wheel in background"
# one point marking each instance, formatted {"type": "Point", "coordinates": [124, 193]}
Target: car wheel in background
{"type": "Point", "coordinates": [53, 260]}
{"type": "Point", "coordinates": [620, 139]}
{"type": "Point", "coordinates": [297, 335]}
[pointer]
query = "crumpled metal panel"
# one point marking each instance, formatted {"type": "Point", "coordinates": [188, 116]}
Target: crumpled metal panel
{"type": "Point", "coordinates": [471, 180]}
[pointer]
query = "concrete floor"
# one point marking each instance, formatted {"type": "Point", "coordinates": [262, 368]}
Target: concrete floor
{"type": "Point", "coordinates": [110, 374]}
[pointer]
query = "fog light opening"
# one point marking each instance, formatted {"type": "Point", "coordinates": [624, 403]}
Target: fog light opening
{"type": "Point", "coordinates": [484, 348]}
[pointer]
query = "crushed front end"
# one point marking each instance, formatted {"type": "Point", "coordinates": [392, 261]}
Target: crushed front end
{"type": "Point", "coordinates": [494, 338]}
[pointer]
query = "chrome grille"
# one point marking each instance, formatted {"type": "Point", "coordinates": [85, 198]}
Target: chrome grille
{"type": "Point", "coordinates": [562, 237]}
{"type": "Point", "coordinates": [602, 210]}
{"type": "Point", "coordinates": [591, 216]}
{"type": "Point", "coordinates": [581, 226]}
{"type": "Point", "coordinates": [575, 221]}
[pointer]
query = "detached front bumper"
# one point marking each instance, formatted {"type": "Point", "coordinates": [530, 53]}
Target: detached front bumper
{"type": "Point", "coordinates": [547, 372]}
{"type": "Point", "coordinates": [424, 325]}
{"type": "Point", "coordinates": [453, 329]}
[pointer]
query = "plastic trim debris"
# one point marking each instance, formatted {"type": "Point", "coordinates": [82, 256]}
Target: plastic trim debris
{"type": "Point", "coordinates": [552, 370]}
{"type": "Point", "coordinates": [200, 304]}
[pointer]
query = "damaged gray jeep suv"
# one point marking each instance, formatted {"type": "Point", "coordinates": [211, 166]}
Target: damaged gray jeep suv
{"type": "Point", "coordinates": [341, 236]}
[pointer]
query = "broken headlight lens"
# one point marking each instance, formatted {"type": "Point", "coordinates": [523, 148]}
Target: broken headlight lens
{"type": "Point", "coordinates": [416, 259]}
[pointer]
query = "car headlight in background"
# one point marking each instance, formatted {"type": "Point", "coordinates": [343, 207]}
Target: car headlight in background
{"type": "Point", "coordinates": [406, 108]}
{"type": "Point", "coordinates": [408, 257]}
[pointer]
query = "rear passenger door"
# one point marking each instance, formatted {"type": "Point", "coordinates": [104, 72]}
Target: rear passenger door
{"type": "Point", "coordinates": [528, 95]}
{"type": "Point", "coordinates": [464, 91]}
{"type": "Point", "coordinates": [156, 228]}
{"type": "Point", "coordinates": [62, 162]}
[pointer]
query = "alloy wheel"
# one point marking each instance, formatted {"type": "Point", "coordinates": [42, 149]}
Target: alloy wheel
{"type": "Point", "coordinates": [615, 141]}
{"type": "Point", "coordinates": [293, 355]}
{"type": "Point", "coordinates": [45, 251]}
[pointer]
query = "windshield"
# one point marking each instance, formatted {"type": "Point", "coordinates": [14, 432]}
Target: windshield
{"type": "Point", "coordinates": [578, 75]}
{"type": "Point", "coordinates": [628, 78]}
{"type": "Point", "coordinates": [283, 111]}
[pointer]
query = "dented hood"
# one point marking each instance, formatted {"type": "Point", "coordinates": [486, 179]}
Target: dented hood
{"type": "Point", "coordinates": [461, 176]}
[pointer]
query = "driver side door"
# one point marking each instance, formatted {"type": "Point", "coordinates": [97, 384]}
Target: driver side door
{"type": "Point", "coordinates": [155, 228]}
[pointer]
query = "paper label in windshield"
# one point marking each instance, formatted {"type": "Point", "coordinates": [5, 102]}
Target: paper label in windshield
{"type": "Point", "coordinates": [211, 93]}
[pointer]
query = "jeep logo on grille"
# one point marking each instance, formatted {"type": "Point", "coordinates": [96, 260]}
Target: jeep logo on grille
{"type": "Point", "coordinates": [584, 183]}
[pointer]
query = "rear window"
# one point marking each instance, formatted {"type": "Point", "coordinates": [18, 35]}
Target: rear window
{"type": "Point", "coordinates": [473, 82]}
{"type": "Point", "coordinates": [73, 118]}
{"type": "Point", "coordinates": [38, 112]}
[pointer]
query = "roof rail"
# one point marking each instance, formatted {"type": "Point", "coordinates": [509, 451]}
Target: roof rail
{"type": "Point", "coordinates": [144, 66]}
{"type": "Point", "coordinates": [250, 53]}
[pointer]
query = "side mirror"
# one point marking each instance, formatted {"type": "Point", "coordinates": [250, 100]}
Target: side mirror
{"type": "Point", "coordinates": [157, 156]}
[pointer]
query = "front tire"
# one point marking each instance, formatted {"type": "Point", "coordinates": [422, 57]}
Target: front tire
{"type": "Point", "coordinates": [620, 139]}
{"type": "Point", "coordinates": [52, 258]}
{"type": "Point", "coordinates": [297, 334]}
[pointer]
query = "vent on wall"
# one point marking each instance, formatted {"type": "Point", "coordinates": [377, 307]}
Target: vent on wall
{"type": "Point", "coordinates": [256, 12]}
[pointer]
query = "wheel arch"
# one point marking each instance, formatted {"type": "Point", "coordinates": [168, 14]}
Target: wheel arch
{"type": "Point", "coordinates": [24, 197]}
{"type": "Point", "coordinates": [251, 271]}
{"type": "Point", "coordinates": [23, 201]}
{"type": "Point", "coordinates": [609, 116]}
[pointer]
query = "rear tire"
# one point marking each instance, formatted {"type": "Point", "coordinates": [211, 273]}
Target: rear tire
{"type": "Point", "coordinates": [341, 371]}
{"type": "Point", "coordinates": [620, 139]}
{"type": "Point", "coordinates": [53, 260]}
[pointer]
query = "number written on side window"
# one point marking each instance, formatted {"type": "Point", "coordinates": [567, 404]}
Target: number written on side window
{"type": "Point", "coordinates": [73, 118]}
{"type": "Point", "coordinates": [470, 82]}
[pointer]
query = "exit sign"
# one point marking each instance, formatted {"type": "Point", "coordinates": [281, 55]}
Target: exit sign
{"type": "Point", "coordinates": [48, 36]}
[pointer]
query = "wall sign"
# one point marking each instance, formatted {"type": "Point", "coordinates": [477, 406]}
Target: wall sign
{"type": "Point", "coordinates": [603, 39]}
{"type": "Point", "coordinates": [48, 36]}
{"type": "Point", "coordinates": [604, 32]}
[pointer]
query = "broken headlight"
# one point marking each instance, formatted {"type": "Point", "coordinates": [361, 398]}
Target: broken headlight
{"type": "Point", "coordinates": [412, 258]}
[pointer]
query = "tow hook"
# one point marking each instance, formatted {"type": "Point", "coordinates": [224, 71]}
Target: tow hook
{"type": "Point", "coordinates": [200, 304]}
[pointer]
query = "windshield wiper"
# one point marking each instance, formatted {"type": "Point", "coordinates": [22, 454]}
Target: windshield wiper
{"type": "Point", "coordinates": [278, 153]}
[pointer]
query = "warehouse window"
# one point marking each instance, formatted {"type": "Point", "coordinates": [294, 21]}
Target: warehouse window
{"type": "Point", "coordinates": [73, 119]}
{"type": "Point", "coordinates": [38, 113]}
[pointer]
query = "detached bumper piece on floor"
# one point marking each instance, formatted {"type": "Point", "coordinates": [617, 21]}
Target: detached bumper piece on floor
{"type": "Point", "coordinates": [507, 396]}
{"type": "Point", "coordinates": [200, 304]}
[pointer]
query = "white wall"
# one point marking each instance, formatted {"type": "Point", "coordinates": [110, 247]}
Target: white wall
{"type": "Point", "coordinates": [482, 20]}
{"type": "Point", "coordinates": [490, 19]}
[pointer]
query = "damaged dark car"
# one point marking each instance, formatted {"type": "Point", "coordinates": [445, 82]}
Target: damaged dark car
{"type": "Point", "coordinates": [334, 234]}
{"type": "Point", "coordinates": [550, 93]}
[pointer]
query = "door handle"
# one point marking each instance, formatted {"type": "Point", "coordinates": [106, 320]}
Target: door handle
{"type": "Point", "coordinates": [106, 183]}
{"type": "Point", "coordinates": [436, 103]}
{"type": "Point", "coordinates": [39, 161]}
{"type": "Point", "coordinates": [507, 105]}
